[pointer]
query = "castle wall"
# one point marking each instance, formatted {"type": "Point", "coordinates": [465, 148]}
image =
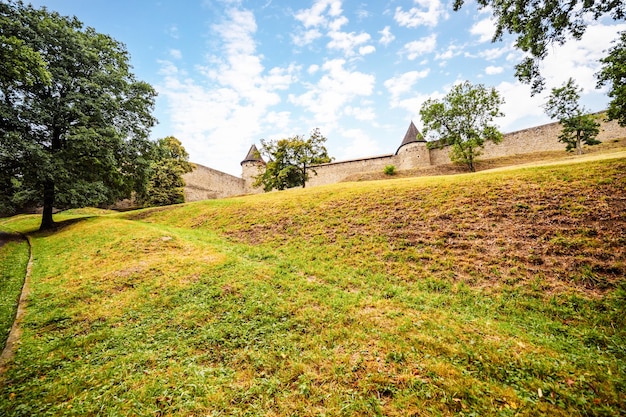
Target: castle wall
{"type": "Point", "coordinates": [336, 171]}
{"type": "Point", "coordinates": [205, 183]}
{"type": "Point", "coordinates": [535, 139]}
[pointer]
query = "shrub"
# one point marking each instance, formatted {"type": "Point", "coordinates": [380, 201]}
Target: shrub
{"type": "Point", "coordinates": [390, 170]}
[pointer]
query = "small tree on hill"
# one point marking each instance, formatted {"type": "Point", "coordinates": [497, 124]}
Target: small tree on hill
{"type": "Point", "coordinates": [290, 161]}
{"type": "Point", "coordinates": [463, 119]}
{"type": "Point", "coordinates": [165, 181]}
{"type": "Point", "coordinates": [578, 127]}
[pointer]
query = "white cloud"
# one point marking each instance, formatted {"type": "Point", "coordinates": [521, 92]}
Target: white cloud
{"type": "Point", "coordinates": [386, 37]}
{"type": "Point", "coordinates": [361, 113]}
{"type": "Point", "coordinates": [451, 52]}
{"type": "Point", "coordinates": [420, 47]}
{"type": "Point", "coordinates": [315, 16]}
{"type": "Point", "coordinates": [176, 53]}
{"type": "Point", "coordinates": [306, 37]}
{"type": "Point", "coordinates": [492, 70]}
{"type": "Point", "coordinates": [366, 50]}
{"type": "Point", "coordinates": [347, 42]}
{"type": "Point", "coordinates": [484, 29]}
{"type": "Point", "coordinates": [404, 83]}
{"type": "Point", "coordinates": [579, 59]}
{"type": "Point", "coordinates": [493, 53]}
{"type": "Point", "coordinates": [335, 25]}
{"type": "Point", "coordinates": [313, 69]}
{"type": "Point", "coordinates": [333, 92]}
{"type": "Point", "coordinates": [230, 105]}
{"type": "Point", "coordinates": [427, 13]}
{"type": "Point", "coordinates": [360, 145]}
{"type": "Point", "coordinates": [519, 106]}
{"type": "Point", "coordinates": [327, 15]}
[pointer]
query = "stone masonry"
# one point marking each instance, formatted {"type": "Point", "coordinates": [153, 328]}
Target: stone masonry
{"type": "Point", "coordinates": [206, 183]}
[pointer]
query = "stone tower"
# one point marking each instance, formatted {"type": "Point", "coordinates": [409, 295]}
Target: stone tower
{"type": "Point", "coordinates": [413, 152]}
{"type": "Point", "coordinates": [252, 165]}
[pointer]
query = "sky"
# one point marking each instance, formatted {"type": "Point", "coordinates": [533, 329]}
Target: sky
{"type": "Point", "coordinates": [232, 72]}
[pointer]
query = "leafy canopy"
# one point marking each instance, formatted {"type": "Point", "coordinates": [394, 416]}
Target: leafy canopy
{"type": "Point", "coordinates": [165, 182]}
{"type": "Point", "coordinates": [291, 160]}
{"type": "Point", "coordinates": [539, 24]}
{"type": "Point", "coordinates": [74, 127]}
{"type": "Point", "coordinates": [613, 74]}
{"type": "Point", "coordinates": [578, 127]}
{"type": "Point", "coordinates": [463, 119]}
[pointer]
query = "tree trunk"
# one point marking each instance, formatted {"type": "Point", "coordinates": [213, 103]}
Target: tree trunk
{"type": "Point", "coordinates": [48, 186]}
{"type": "Point", "coordinates": [48, 202]}
{"type": "Point", "coordinates": [470, 161]}
{"type": "Point", "coordinates": [579, 147]}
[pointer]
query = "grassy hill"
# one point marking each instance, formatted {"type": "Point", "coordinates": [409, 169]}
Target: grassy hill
{"type": "Point", "coordinates": [496, 293]}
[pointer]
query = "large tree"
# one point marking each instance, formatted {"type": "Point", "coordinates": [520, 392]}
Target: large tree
{"type": "Point", "coordinates": [291, 160]}
{"type": "Point", "coordinates": [539, 24]}
{"type": "Point", "coordinates": [80, 137]}
{"type": "Point", "coordinates": [463, 119]}
{"type": "Point", "coordinates": [613, 74]}
{"type": "Point", "coordinates": [579, 127]}
{"type": "Point", "coordinates": [165, 181]}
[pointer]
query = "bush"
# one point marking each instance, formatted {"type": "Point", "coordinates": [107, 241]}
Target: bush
{"type": "Point", "coordinates": [390, 170]}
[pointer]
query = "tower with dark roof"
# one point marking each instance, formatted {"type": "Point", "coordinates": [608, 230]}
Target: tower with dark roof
{"type": "Point", "coordinates": [413, 152]}
{"type": "Point", "coordinates": [251, 166]}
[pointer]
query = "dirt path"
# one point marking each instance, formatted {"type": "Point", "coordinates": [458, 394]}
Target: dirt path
{"type": "Point", "coordinates": [16, 330]}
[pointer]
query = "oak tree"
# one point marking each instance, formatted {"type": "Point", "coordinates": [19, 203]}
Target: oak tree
{"type": "Point", "coordinates": [539, 24]}
{"type": "Point", "coordinates": [613, 74]}
{"type": "Point", "coordinates": [291, 160]}
{"type": "Point", "coordinates": [463, 119]}
{"type": "Point", "coordinates": [165, 181]}
{"type": "Point", "coordinates": [78, 137]}
{"type": "Point", "coordinates": [579, 127]}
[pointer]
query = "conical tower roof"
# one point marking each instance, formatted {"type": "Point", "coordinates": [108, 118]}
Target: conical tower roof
{"type": "Point", "coordinates": [412, 135]}
{"type": "Point", "coordinates": [253, 156]}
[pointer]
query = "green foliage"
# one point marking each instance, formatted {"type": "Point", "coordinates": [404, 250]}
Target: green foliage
{"type": "Point", "coordinates": [75, 135]}
{"type": "Point", "coordinates": [613, 73]}
{"type": "Point", "coordinates": [20, 64]}
{"type": "Point", "coordinates": [165, 182]}
{"type": "Point", "coordinates": [290, 161]}
{"type": "Point", "coordinates": [463, 119]}
{"type": "Point", "coordinates": [578, 128]}
{"type": "Point", "coordinates": [538, 24]}
{"type": "Point", "coordinates": [390, 170]}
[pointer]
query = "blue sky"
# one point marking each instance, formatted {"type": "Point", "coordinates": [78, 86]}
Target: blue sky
{"type": "Point", "coordinates": [230, 72]}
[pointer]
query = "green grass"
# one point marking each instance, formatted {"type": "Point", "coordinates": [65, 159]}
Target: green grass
{"type": "Point", "coordinates": [13, 261]}
{"type": "Point", "coordinates": [489, 294]}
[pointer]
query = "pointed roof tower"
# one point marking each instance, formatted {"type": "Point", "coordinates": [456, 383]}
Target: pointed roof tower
{"type": "Point", "coordinates": [412, 135]}
{"type": "Point", "coordinates": [253, 156]}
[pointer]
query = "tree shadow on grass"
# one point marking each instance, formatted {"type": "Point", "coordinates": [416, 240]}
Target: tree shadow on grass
{"type": "Point", "coordinates": [59, 226]}
{"type": "Point", "coordinates": [9, 237]}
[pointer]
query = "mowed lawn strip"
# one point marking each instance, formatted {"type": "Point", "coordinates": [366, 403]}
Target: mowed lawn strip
{"type": "Point", "coordinates": [13, 260]}
{"type": "Point", "coordinates": [495, 294]}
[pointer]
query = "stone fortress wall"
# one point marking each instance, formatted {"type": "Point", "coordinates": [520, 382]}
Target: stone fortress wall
{"type": "Point", "coordinates": [206, 183]}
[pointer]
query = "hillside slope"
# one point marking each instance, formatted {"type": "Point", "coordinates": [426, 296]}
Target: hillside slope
{"type": "Point", "coordinates": [497, 293]}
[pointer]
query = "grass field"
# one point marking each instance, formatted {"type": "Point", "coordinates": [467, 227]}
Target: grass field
{"type": "Point", "coordinates": [496, 293]}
